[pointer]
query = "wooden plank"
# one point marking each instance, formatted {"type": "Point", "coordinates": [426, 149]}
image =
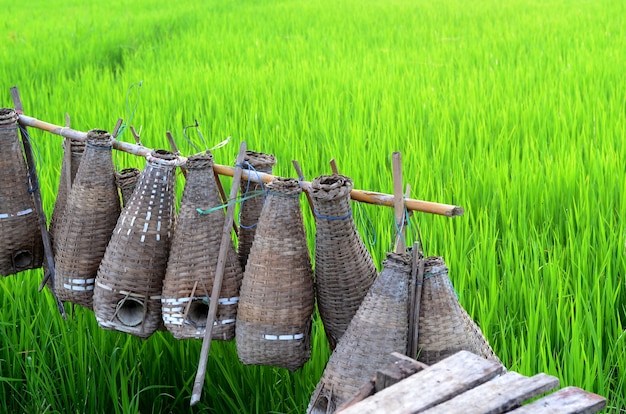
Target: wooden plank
{"type": "Point", "coordinates": [402, 367]}
{"type": "Point", "coordinates": [434, 385]}
{"type": "Point", "coordinates": [498, 396]}
{"type": "Point", "coordinates": [569, 400]}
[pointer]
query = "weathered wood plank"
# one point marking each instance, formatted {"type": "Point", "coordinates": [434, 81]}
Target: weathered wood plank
{"type": "Point", "coordinates": [569, 400]}
{"type": "Point", "coordinates": [402, 366]}
{"type": "Point", "coordinates": [434, 385]}
{"type": "Point", "coordinates": [499, 395]}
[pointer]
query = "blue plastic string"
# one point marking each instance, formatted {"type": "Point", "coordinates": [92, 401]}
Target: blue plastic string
{"type": "Point", "coordinates": [318, 215]}
{"type": "Point", "coordinates": [36, 158]}
{"type": "Point", "coordinates": [365, 222]}
{"type": "Point", "coordinates": [249, 167]}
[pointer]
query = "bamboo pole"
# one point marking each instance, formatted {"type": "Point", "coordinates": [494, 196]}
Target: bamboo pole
{"type": "Point", "coordinates": [217, 283]}
{"type": "Point", "coordinates": [296, 166]}
{"type": "Point", "coordinates": [398, 202]}
{"type": "Point", "coordinates": [364, 196]}
{"type": "Point", "coordinates": [34, 182]}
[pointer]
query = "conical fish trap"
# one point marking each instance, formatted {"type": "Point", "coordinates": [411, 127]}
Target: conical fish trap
{"type": "Point", "coordinates": [126, 181]}
{"type": "Point", "coordinates": [344, 269]}
{"type": "Point", "coordinates": [274, 316]}
{"type": "Point", "coordinates": [193, 257]}
{"type": "Point", "coordinates": [21, 246]}
{"type": "Point", "coordinates": [127, 296]}
{"type": "Point", "coordinates": [73, 153]}
{"type": "Point", "coordinates": [251, 208]}
{"type": "Point", "coordinates": [379, 327]}
{"type": "Point", "coordinates": [90, 215]}
{"type": "Point", "coordinates": [445, 328]}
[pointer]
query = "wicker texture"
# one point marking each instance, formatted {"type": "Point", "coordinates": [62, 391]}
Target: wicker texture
{"type": "Point", "coordinates": [73, 153]}
{"type": "Point", "coordinates": [93, 207]}
{"type": "Point", "coordinates": [21, 246]}
{"type": "Point", "coordinates": [193, 257]}
{"type": "Point", "coordinates": [127, 296]}
{"type": "Point", "coordinates": [344, 269]}
{"type": "Point", "coordinates": [251, 208]}
{"type": "Point", "coordinates": [126, 181]}
{"type": "Point", "coordinates": [444, 326]}
{"type": "Point", "coordinates": [379, 327]}
{"type": "Point", "coordinates": [274, 317]}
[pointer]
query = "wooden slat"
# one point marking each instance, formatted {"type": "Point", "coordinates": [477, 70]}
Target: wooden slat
{"type": "Point", "coordinates": [570, 400]}
{"type": "Point", "coordinates": [498, 396]}
{"type": "Point", "coordinates": [434, 385]}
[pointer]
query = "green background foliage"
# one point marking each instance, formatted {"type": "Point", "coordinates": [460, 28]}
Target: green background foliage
{"type": "Point", "coordinates": [514, 110]}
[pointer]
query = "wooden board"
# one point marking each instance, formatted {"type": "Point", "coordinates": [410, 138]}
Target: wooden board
{"type": "Point", "coordinates": [498, 396]}
{"type": "Point", "coordinates": [569, 400]}
{"type": "Point", "coordinates": [434, 385]}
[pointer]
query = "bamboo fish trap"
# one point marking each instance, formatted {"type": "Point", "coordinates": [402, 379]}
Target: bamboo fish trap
{"type": "Point", "coordinates": [21, 245]}
{"type": "Point", "coordinates": [274, 316]}
{"type": "Point", "coordinates": [126, 180]}
{"type": "Point", "coordinates": [344, 269]}
{"type": "Point", "coordinates": [92, 209]}
{"type": "Point", "coordinates": [444, 326]}
{"type": "Point", "coordinates": [72, 154]}
{"type": "Point", "coordinates": [127, 295]}
{"type": "Point", "coordinates": [193, 259]}
{"type": "Point", "coordinates": [379, 327]}
{"type": "Point", "coordinates": [251, 208]}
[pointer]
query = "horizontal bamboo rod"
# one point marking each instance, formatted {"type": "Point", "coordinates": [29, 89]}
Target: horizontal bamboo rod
{"type": "Point", "coordinates": [363, 196]}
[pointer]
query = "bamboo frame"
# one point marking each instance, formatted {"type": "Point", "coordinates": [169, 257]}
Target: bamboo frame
{"type": "Point", "coordinates": [364, 196]}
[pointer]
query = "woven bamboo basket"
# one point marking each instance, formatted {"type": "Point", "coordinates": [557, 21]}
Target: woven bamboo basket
{"type": "Point", "coordinates": [126, 180]}
{"type": "Point", "coordinates": [379, 327]}
{"type": "Point", "coordinates": [251, 208]}
{"type": "Point", "coordinates": [444, 326]}
{"type": "Point", "coordinates": [127, 296]}
{"type": "Point", "coordinates": [274, 317]}
{"type": "Point", "coordinates": [92, 209]}
{"type": "Point", "coordinates": [73, 152]}
{"type": "Point", "coordinates": [193, 257]}
{"type": "Point", "coordinates": [21, 246]}
{"type": "Point", "coordinates": [344, 269]}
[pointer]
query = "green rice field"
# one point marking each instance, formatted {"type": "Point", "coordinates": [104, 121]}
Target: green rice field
{"type": "Point", "coordinates": [513, 109]}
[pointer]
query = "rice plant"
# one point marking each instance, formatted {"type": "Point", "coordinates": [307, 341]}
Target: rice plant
{"type": "Point", "coordinates": [514, 110]}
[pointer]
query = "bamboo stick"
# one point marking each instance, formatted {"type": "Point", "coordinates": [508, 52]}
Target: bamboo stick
{"type": "Point", "coordinates": [398, 202]}
{"type": "Point", "coordinates": [296, 166]}
{"type": "Point", "coordinates": [364, 196]}
{"type": "Point", "coordinates": [34, 182]}
{"type": "Point", "coordinates": [217, 284]}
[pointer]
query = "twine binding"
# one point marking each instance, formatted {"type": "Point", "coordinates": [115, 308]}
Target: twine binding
{"type": "Point", "coordinates": [251, 208]}
{"type": "Point", "coordinates": [21, 245]}
{"type": "Point", "coordinates": [274, 316]}
{"type": "Point", "coordinates": [444, 326]}
{"type": "Point", "coordinates": [379, 327]}
{"type": "Point", "coordinates": [193, 257]}
{"type": "Point", "coordinates": [344, 269]}
{"type": "Point", "coordinates": [92, 209]}
{"type": "Point", "coordinates": [127, 294]}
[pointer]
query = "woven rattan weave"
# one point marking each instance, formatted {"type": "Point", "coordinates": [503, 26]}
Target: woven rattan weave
{"type": "Point", "coordinates": [251, 207]}
{"type": "Point", "coordinates": [92, 209]}
{"type": "Point", "coordinates": [444, 326]}
{"type": "Point", "coordinates": [274, 317]}
{"type": "Point", "coordinates": [127, 295]}
{"type": "Point", "coordinates": [126, 180]}
{"type": "Point", "coordinates": [73, 153]}
{"type": "Point", "coordinates": [344, 269]}
{"type": "Point", "coordinates": [378, 328]}
{"type": "Point", "coordinates": [193, 257]}
{"type": "Point", "coordinates": [21, 246]}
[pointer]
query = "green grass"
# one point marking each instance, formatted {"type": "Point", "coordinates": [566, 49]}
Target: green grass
{"type": "Point", "coordinates": [515, 110]}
